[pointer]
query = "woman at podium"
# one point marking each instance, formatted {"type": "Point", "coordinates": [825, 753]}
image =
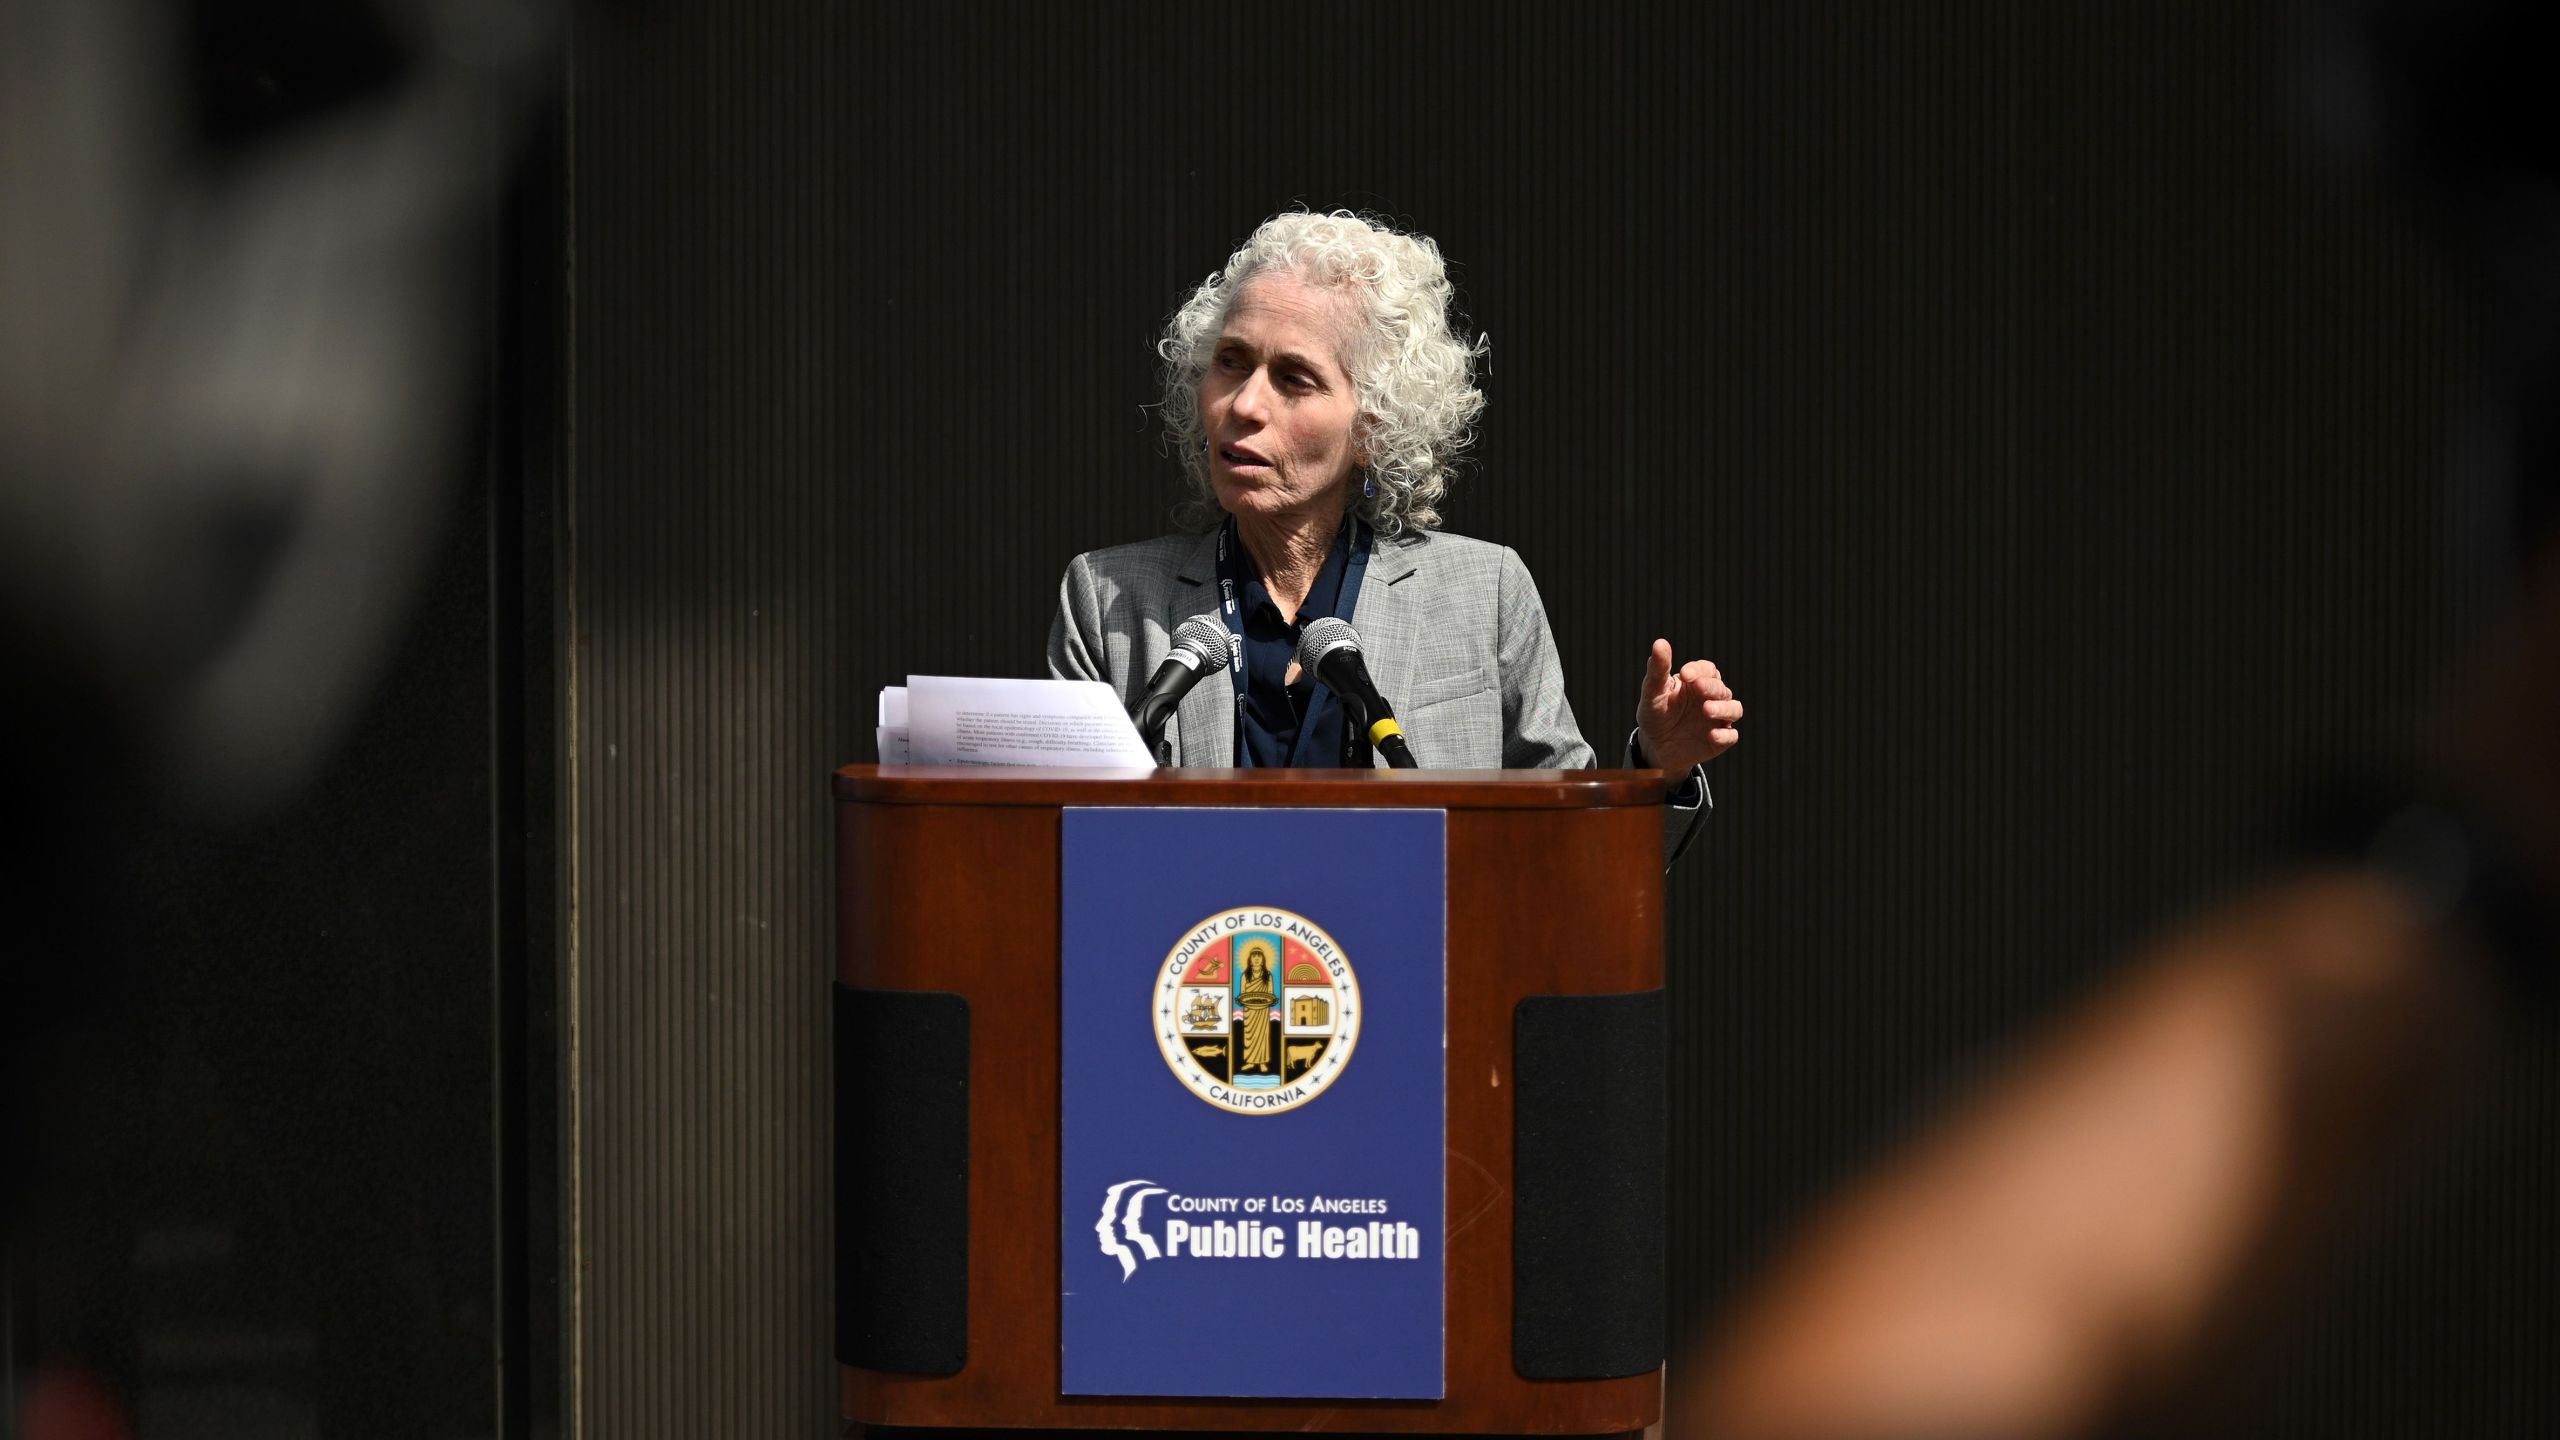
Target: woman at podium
{"type": "Point", "coordinates": [1320, 401]}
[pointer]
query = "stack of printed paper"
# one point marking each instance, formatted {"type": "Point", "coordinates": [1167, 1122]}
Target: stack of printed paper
{"type": "Point", "coordinates": [961, 720]}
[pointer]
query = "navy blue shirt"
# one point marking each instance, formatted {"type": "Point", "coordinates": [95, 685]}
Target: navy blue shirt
{"type": "Point", "coordinates": [1276, 712]}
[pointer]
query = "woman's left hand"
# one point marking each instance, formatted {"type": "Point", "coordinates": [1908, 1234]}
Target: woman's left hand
{"type": "Point", "coordinates": [1685, 717]}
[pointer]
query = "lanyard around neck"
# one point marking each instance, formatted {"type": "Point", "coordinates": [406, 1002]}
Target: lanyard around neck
{"type": "Point", "coordinates": [1354, 538]}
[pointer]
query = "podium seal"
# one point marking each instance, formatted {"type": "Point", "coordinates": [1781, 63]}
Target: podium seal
{"type": "Point", "coordinates": [1257, 1010]}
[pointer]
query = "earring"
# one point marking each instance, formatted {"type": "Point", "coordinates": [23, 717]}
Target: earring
{"type": "Point", "coordinates": [1368, 486]}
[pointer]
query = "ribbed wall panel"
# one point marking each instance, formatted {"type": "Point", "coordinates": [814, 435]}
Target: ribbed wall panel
{"type": "Point", "coordinates": [710, 702]}
{"type": "Point", "coordinates": [2048, 442]}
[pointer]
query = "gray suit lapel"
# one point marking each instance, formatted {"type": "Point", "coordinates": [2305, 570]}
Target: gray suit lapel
{"type": "Point", "coordinates": [1393, 608]}
{"type": "Point", "coordinates": [1204, 728]}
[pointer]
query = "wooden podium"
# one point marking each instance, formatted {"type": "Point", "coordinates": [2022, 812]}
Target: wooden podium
{"type": "Point", "coordinates": [948, 881]}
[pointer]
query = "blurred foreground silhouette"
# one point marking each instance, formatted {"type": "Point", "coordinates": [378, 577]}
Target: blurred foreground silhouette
{"type": "Point", "coordinates": [2100, 1242]}
{"type": "Point", "coordinates": [243, 291]}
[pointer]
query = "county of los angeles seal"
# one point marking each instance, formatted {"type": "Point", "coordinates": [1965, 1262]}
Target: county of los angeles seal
{"type": "Point", "coordinates": [1257, 1010]}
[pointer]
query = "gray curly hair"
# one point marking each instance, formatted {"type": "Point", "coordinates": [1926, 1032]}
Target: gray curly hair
{"type": "Point", "coordinates": [1413, 371]}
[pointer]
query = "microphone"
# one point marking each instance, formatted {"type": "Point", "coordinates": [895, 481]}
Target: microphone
{"type": "Point", "coordinates": [1200, 645]}
{"type": "Point", "coordinates": [1329, 649]}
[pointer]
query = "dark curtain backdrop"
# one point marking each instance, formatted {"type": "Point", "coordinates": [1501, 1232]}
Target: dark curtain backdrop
{"type": "Point", "coordinates": [2045, 435]}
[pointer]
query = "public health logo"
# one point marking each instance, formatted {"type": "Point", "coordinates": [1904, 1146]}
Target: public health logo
{"type": "Point", "coordinates": [1257, 1011]}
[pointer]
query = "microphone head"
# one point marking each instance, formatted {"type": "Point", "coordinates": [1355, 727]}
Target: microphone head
{"type": "Point", "coordinates": [1321, 638]}
{"type": "Point", "coordinates": [1206, 638]}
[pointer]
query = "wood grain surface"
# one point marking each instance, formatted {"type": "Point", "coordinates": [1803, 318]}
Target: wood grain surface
{"type": "Point", "coordinates": [1400, 789]}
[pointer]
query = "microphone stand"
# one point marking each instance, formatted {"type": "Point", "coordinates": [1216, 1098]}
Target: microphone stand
{"type": "Point", "coordinates": [1151, 718]}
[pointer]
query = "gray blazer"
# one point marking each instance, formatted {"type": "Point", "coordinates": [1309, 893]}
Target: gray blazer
{"type": "Point", "coordinates": [1451, 628]}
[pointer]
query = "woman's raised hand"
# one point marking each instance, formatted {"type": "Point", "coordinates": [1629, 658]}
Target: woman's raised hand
{"type": "Point", "coordinates": [1687, 716]}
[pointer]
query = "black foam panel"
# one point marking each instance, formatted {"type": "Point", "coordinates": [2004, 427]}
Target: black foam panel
{"type": "Point", "coordinates": [902, 1180]}
{"type": "Point", "coordinates": [1587, 1198]}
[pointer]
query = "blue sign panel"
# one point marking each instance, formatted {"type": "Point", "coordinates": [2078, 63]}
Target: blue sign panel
{"type": "Point", "coordinates": [1253, 1022]}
